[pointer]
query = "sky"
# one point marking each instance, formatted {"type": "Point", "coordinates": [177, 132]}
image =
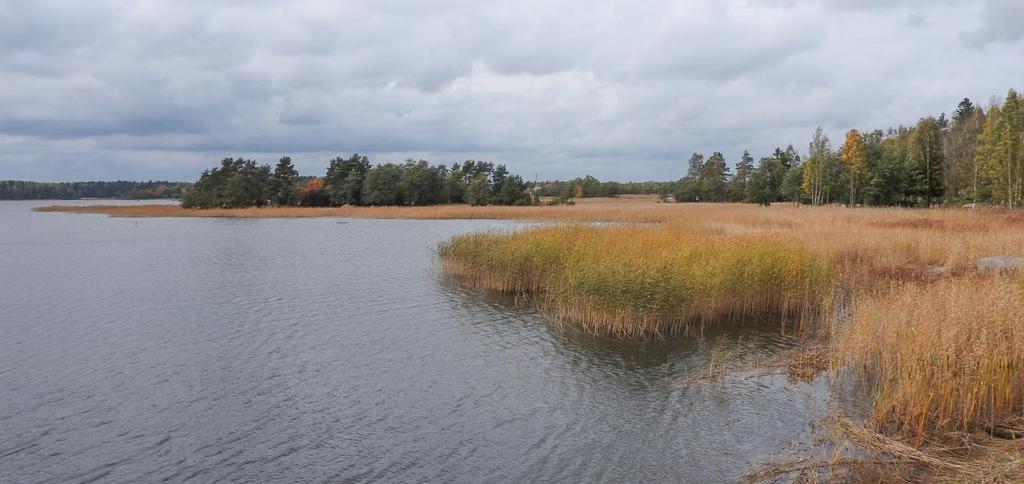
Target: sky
{"type": "Point", "coordinates": [151, 89]}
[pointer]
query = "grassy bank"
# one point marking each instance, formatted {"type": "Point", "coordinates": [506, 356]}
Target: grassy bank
{"type": "Point", "coordinates": [937, 346]}
{"type": "Point", "coordinates": [943, 357]}
{"type": "Point", "coordinates": [638, 281]}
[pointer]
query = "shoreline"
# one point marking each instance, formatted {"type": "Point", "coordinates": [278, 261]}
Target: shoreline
{"type": "Point", "coordinates": [919, 300]}
{"type": "Point", "coordinates": [644, 209]}
{"type": "Point", "coordinates": [928, 333]}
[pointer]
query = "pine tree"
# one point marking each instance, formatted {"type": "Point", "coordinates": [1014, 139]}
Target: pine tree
{"type": "Point", "coordinates": [283, 182]}
{"type": "Point", "coordinates": [479, 191]}
{"type": "Point", "coordinates": [713, 178]}
{"type": "Point", "coordinates": [743, 170]}
{"type": "Point", "coordinates": [345, 179]}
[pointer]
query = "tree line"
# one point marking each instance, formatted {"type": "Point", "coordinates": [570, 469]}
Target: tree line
{"type": "Point", "coordinates": [239, 182]}
{"type": "Point", "coordinates": [588, 187]}
{"type": "Point", "coordinates": [976, 157]}
{"type": "Point", "coordinates": [28, 190]}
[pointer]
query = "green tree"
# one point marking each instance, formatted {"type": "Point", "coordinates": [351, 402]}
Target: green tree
{"type": "Point", "coordinates": [927, 156]}
{"type": "Point", "coordinates": [964, 110]}
{"type": "Point", "coordinates": [284, 190]}
{"type": "Point", "coordinates": [454, 186]}
{"type": "Point", "coordinates": [695, 166]}
{"type": "Point", "coordinates": [507, 189]}
{"type": "Point", "coordinates": [887, 181]}
{"type": "Point", "coordinates": [791, 187]}
{"type": "Point", "coordinates": [714, 179]}
{"type": "Point", "coordinates": [345, 179]}
{"type": "Point", "coordinates": [963, 173]}
{"type": "Point", "coordinates": [423, 184]}
{"type": "Point", "coordinates": [235, 183]}
{"type": "Point", "coordinates": [479, 191]}
{"type": "Point", "coordinates": [1001, 152]}
{"type": "Point", "coordinates": [744, 168]}
{"type": "Point", "coordinates": [382, 185]}
{"type": "Point", "coordinates": [766, 180]}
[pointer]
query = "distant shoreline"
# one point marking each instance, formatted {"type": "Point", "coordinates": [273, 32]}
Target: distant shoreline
{"type": "Point", "coordinates": [622, 209]}
{"type": "Point", "coordinates": [643, 209]}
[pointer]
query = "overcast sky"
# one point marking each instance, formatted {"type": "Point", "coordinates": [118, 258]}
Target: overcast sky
{"type": "Point", "coordinates": [151, 89]}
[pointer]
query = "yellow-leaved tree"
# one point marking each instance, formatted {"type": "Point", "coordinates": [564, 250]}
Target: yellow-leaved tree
{"type": "Point", "coordinates": [855, 159]}
{"type": "Point", "coordinates": [1001, 150]}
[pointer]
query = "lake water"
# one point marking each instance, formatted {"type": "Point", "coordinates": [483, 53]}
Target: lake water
{"type": "Point", "coordinates": [330, 350]}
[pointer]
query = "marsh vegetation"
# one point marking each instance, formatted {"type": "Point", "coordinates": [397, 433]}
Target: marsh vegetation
{"type": "Point", "coordinates": [642, 280]}
{"type": "Point", "coordinates": [893, 294]}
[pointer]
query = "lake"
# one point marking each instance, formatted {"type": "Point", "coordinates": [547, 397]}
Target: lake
{"type": "Point", "coordinates": [331, 350]}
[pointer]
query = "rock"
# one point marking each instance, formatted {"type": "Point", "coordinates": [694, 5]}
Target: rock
{"type": "Point", "coordinates": [999, 263]}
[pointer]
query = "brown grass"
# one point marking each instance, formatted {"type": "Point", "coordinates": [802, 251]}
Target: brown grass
{"type": "Point", "coordinates": [943, 357]}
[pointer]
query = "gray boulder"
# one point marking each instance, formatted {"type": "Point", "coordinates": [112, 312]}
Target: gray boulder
{"type": "Point", "coordinates": [999, 263]}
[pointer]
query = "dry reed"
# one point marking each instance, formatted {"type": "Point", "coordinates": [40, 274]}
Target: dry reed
{"type": "Point", "coordinates": [943, 357]}
{"type": "Point", "coordinates": [642, 280]}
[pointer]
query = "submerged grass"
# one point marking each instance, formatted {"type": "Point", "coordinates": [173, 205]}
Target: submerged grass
{"type": "Point", "coordinates": [644, 280]}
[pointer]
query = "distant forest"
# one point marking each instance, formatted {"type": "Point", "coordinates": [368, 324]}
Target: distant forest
{"type": "Point", "coordinates": [129, 190]}
{"type": "Point", "coordinates": [588, 187]}
{"type": "Point", "coordinates": [239, 182]}
{"type": "Point", "coordinates": [976, 156]}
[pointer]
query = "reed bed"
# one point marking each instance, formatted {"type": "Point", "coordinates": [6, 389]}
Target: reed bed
{"type": "Point", "coordinates": [646, 280]}
{"type": "Point", "coordinates": [938, 345]}
{"type": "Point", "coordinates": [941, 357]}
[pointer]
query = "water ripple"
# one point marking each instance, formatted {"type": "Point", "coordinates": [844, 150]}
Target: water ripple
{"type": "Point", "coordinates": [179, 350]}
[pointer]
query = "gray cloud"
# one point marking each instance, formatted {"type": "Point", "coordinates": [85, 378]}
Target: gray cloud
{"type": "Point", "coordinates": [626, 90]}
{"type": "Point", "coordinates": [1001, 21]}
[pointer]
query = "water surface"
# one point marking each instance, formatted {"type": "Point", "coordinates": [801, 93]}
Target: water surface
{"type": "Point", "coordinates": [329, 350]}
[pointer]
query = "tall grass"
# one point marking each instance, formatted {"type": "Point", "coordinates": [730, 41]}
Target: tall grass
{"type": "Point", "coordinates": [643, 280]}
{"type": "Point", "coordinates": [942, 357]}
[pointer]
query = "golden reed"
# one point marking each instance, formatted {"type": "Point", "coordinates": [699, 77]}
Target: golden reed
{"type": "Point", "coordinates": [644, 280]}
